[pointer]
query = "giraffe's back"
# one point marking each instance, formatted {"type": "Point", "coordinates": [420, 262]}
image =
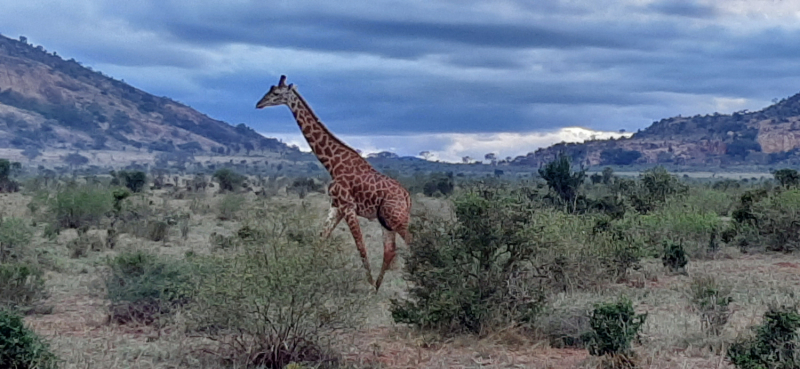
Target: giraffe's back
{"type": "Point", "coordinates": [378, 196]}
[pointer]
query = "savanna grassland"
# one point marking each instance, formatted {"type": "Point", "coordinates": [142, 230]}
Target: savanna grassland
{"type": "Point", "coordinates": [560, 270]}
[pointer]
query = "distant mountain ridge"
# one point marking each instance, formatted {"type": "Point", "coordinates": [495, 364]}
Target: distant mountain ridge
{"type": "Point", "coordinates": [48, 102]}
{"type": "Point", "coordinates": [764, 137]}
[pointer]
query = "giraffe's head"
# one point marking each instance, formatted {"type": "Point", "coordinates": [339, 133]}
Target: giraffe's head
{"type": "Point", "coordinates": [277, 95]}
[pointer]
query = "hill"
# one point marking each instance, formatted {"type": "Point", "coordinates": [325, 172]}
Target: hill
{"type": "Point", "coordinates": [47, 102]}
{"type": "Point", "coordinates": [765, 137]}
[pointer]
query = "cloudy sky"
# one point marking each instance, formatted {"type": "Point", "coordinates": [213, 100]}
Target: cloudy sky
{"type": "Point", "coordinates": [456, 77]}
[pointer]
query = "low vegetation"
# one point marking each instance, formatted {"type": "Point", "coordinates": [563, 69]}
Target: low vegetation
{"type": "Point", "coordinates": [237, 276]}
{"type": "Point", "coordinates": [774, 344]}
{"type": "Point", "coordinates": [20, 347]}
{"type": "Point", "coordinates": [281, 296]}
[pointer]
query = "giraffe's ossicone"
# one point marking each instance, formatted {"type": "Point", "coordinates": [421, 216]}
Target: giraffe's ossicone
{"type": "Point", "coordinates": [356, 188]}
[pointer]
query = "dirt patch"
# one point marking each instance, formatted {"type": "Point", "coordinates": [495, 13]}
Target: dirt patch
{"type": "Point", "coordinates": [391, 348]}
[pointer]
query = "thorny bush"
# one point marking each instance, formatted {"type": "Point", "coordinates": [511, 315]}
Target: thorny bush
{"type": "Point", "coordinates": [281, 293]}
{"type": "Point", "coordinates": [472, 274]}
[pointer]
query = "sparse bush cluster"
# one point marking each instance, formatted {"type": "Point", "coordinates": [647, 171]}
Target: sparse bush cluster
{"type": "Point", "coordinates": [711, 300]}
{"type": "Point", "coordinates": [774, 344]}
{"type": "Point", "coordinates": [276, 299]}
{"type": "Point", "coordinates": [769, 220]}
{"type": "Point", "coordinates": [144, 288]}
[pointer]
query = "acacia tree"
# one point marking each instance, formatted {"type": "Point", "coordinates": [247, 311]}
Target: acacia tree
{"type": "Point", "coordinates": [491, 158]}
{"type": "Point", "coordinates": [787, 177]}
{"type": "Point", "coordinates": [562, 180]}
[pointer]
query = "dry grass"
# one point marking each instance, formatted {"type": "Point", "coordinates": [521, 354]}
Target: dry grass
{"type": "Point", "coordinates": [79, 332]}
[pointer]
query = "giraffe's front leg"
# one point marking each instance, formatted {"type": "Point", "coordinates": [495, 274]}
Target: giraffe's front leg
{"type": "Point", "coordinates": [352, 221]}
{"type": "Point", "coordinates": [334, 217]}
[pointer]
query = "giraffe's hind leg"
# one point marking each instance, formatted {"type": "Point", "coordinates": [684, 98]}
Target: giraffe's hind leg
{"type": "Point", "coordinates": [394, 221]}
{"type": "Point", "coordinates": [389, 252]}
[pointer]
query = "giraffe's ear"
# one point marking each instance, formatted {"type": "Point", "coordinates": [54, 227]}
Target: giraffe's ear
{"type": "Point", "coordinates": [291, 86]}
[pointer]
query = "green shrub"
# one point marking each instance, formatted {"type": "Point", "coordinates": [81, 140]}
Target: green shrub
{"type": "Point", "coordinates": [654, 187]}
{"type": "Point", "coordinates": [119, 195]}
{"type": "Point", "coordinates": [787, 177]}
{"type": "Point", "coordinates": [134, 180]}
{"type": "Point", "coordinates": [562, 180]}
{"type": "Point", "coordinates": [774, 345]}
{"type": "Point", "coordinates": [229, 206]}
{"type": "Point", "coordinates": [157, 230]}
{"type": "Point", "coordinates": [144, 288]}
{"type": "Point", "coordinates": [470, 275]}
{"type": "Point", "coordinates": [618, 247]}
{"type": "Point", "coordinates": [275, 300]}
{"type": "Point", "coordinates": [711, 300]}
{"type": "Point", "coordinates": [21, 285]}
{"type": "Point", "coordinates": [694, 225]}
{"type": "Point", "coordinates": [80, 205]}
{"type": "Point", "coordinates": [15, 234]}
{"type": "Point", "coordinates": [713, 201]}
{"type": "Point", "coordinates": [614, 328]}
{"type": "Point", "coordinates": [20, 347]}
{"type": "Point", "coordinates": [769, 220]}
{"type": "Point", "coordinates": [228, 179]}
{"type": "Point", "coordinates": [674, 256]}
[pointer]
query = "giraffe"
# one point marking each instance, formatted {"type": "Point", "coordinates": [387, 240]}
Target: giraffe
{"type": "Point", "coordinates": [356, 188]}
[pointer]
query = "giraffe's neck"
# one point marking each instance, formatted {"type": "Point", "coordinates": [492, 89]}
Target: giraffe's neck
{"type": "Point", "coordinates": [338, 158]}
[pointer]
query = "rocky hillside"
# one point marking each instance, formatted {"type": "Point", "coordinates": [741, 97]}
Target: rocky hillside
{"type": "Point", "coordinates": [50, 103]}
{"type": "Point", "coordinates": [768, 136]}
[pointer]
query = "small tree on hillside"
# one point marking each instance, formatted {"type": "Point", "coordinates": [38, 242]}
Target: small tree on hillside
{"type": "Point", "coordinates": [228, 179]}
{"type": "Point", "coordinates": [134, 180]}
{"type": "Point", "coordinates": [560, 178]}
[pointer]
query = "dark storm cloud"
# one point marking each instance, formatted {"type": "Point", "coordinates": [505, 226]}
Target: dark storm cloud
{"type": "Point", "coordinates": [440, 66]}
{"type": "Point", "coordinates": [390, 38]}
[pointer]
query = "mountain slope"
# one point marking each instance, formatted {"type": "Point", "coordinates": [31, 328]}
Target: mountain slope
{"type": "Point", "coordinates": [768, 136]}
{"type": "Point", "coordinates": [48, 102]}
